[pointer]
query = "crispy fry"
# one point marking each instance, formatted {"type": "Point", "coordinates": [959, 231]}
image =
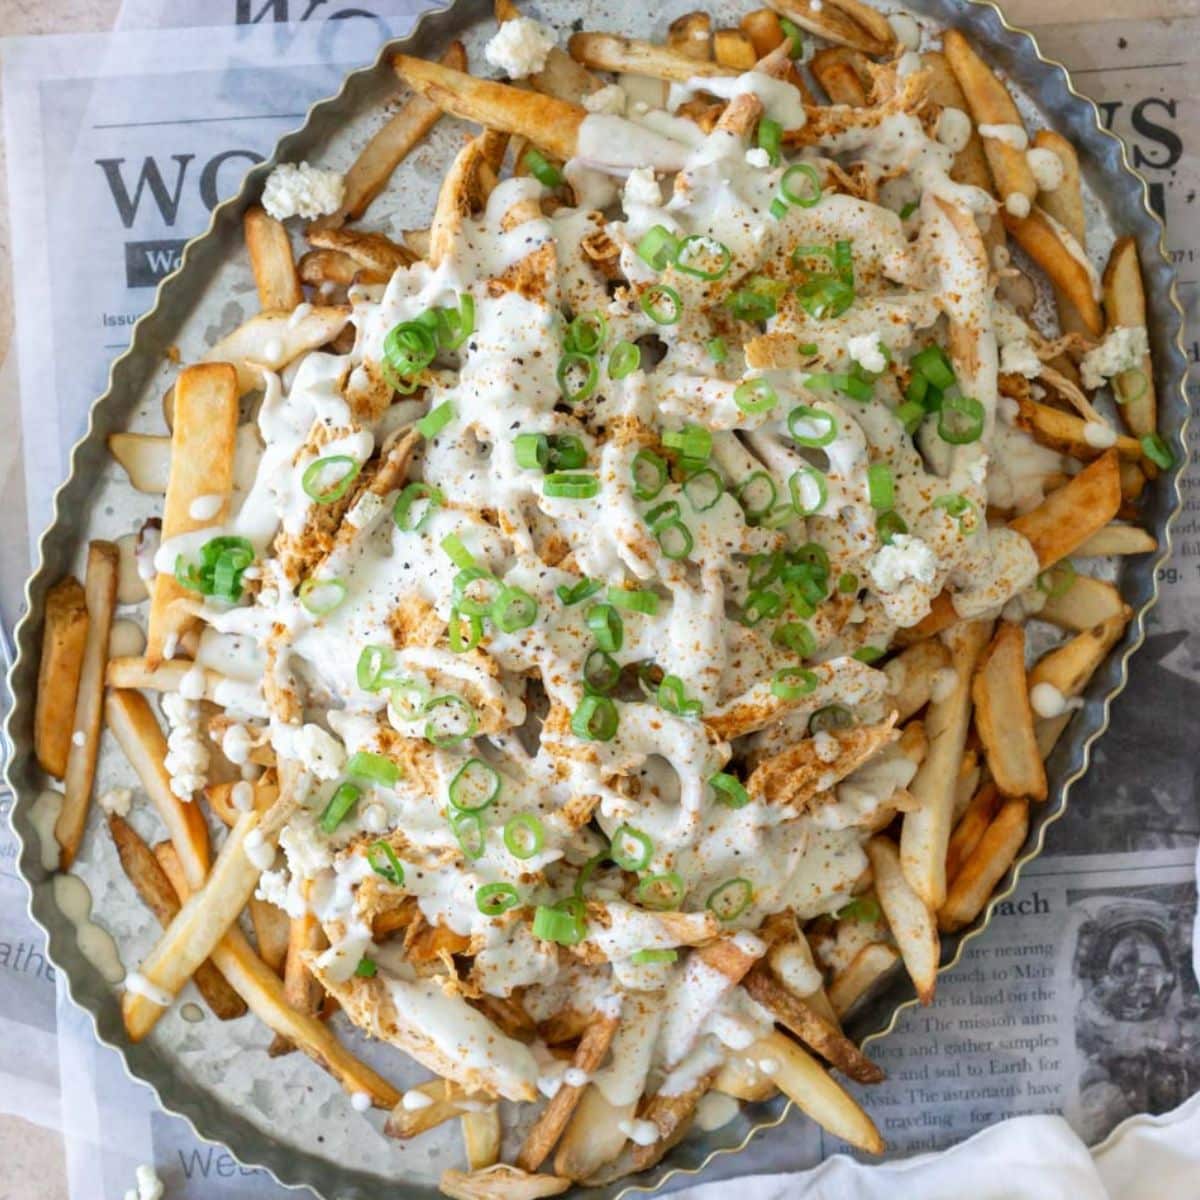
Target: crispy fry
{"type": "Point", "coordinates": [691, 36]}
{"type": "Point", "coordinates": [319, 268]}
{"type": "Point", "coordinates": [464, 190]}
{"type": "Point", "coordinates": [837, 71]}
{"type": "Point", "coordinates": [100, 596]}
{"type": "Point", "coordinates": [911, 922]}
{"type": "Point", "coordinates": [1085, 603]}
{"type": "Point", "coordinates": [271, 261]}
{"type": "Point", "coordinates": [926, 830]}
{"type": "Point", "coordinates": [969, 774]}
{"type": "Point", "coordinates": [592, 1138]}
{"type": "Point", "coordinates": [152, 885]}
{"type": "Point", "coordinates": [871, 19]}
{"type": "Point", "coordinates": [481, 1136]}
{"type": "Point", "coordinates": [1039, 238]}
{"type": "Point", "coordinates": [611, 52]}
{"type": "Point", "coordinates": [301, 990]}
{"type": "Point", "coordinates": [1067, 433]}
{"type": "Point", "coordinates": [816, 1093]}
{"type": "Point", "coordinates": [1068, 517]}
{"type": "Point", "coordinates": [941, 616]}
{"type": "Point", "coordinates": [990, 104]}
{"type": "Point", "coordinates": [912, 674]}
{"type": "Point", "coordinates": [378, 256]}
{"type": "Point", "coordinates": [64, 639]}
{"type": "Point", "coordinates": [136, 729]}
{"type": "Point", "coordinates": [202, 444]}
{"type": "Point", "coordinates": [271, 928]}
{"type": "Point", "coordinates": [970, 828]}
{"type": "Point", "coordinates": [549, 123]}
{"type": "Point", "coordinates": [673, 1114]}
{"type": "Point", "coordinates": [445, 1104]}
{"type": "Point", "coordinates": [1118, 539]}
{"type": "Point", "coordinates": [1065, 205]}
{"type": "Point", "coordinates": [146, 459]}
{"type": "Point", "coordinates": [970, 163]}
{"type": "Point", "coordinates": [1003, 717]}
{"type": "Point", "coordinates": [983, 868]}
{"type": "Point", "coordinates": [743, 1081]}
{"type": "Point", "coordinates": [733, 50]}
{"type": "Point", "coordinates": [1125, 304]}
{"type": "Point", "coordinates": [833, 23]}
{"type": "Point", "coordinates": [763, 29]}
{"type": "Point", "coordinates": [500, 1183]}
{"type": "Point", "coordinates": [849, 985]}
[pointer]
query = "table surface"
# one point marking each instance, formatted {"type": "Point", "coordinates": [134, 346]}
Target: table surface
{"type": "Point", "coordinates": [32, 1160]}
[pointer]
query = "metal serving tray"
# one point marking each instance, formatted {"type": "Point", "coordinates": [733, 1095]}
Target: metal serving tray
{"type": "Point", "coordinates": [285, 1115]}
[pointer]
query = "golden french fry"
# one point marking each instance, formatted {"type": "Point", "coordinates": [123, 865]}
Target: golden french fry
{"type": "Point", "coordinates": [301, 990]}
{"type": "Point", "coordinates": [911, 922]}
{"type": "Point", "coordinates": [444, 1105]}
{"type": "Point", "coordinates": [321, 267]}
{"type": "Point", "coordinates": [464, 190]}
{"type": "Point", "coordinates": [733, 50]}
{"type": "Point", "coordinates": [146, 459]}
{"type": "Point", "coordinates": [1003, 717]}
{"type": "Point", "coordinates": [1068, 667]}
{"type": "Point", "coordinates": [548, 122]}
{"type": "Point", "coordinates": [481, 1136]}
{"type": "Point", "coordinates": [691, 36]}
{"type": "Point", "coordinates": [1085, 603]}
{"type": "Point", "coordinates": [1039, 238]}
{"type": "Point", "coordinates": [871, 19]}
{"type": "Point", "coordinates": [79, 771]}
{"type": "Point", "coordinates": [136, 729]}
{"type": "Point", "coordinates": [743, 1081]}
{"type": "Point", "coordinates": [1125, 304]}
{"type": "Point", "coordinates": [969, 774]}
{"type": "Point", "coordinates": [152, 885]}
{"type": "Point", "coordinates": [1066, 432]}
{"type": "Point", "coordinates": [970, 163]}
{"type": "Point", "coordinates": [991, 105]}
{"type": "Point", "coordinates": [500, 1182]}
{"type": "Point", "coordinates": [1069, 516]}
{"type": "Point", "coordinates": [837, 70]}
{"type": "Point", "coordinates": [593, 1137]}
{"type": "Point", "coordinates": [375, 255]}
{"type": "Point", "coordinates": [984, 867]}
{"type": "Point", "coordinates": [913, 676]}
{"type": "Point", "coordinates": [976, 817]}
{"type": "Point", "coordinates": [941, 616]}
{"type": "Point", "coordinates": [763, 29]}
{"type": "Point", "coordinates": [816, 1093]}
{"type": "Point", "coordinates": [853, 982]}
{"type": "Point", "coordinates": [611, 52]}
{"type": "Point", "coordinates": [202, 444]}
{"type": "Point", "coordinates": [834, 24]}
{"type": "Point", "coordinates": [271, 260]}
{"type": "Point", "coordinates": [926, 830]}
{"type": "Point", "coordinates": [1065, 202]}
{"type": "Point", "coordinates": [1118, 539]}
{"type": "Point", "coordinates": [271, 929]}
{"type": "Point", "coordinates": [673, 1115]}
{"type": "Point", "coordinates": [64, 639]}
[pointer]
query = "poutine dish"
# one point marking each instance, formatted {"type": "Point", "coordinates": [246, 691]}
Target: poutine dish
{"type": "Point", "coordinates": [594, 631]}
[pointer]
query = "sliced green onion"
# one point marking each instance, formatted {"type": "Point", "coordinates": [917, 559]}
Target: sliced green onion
{"type": "Point", "coordinates": [674, 539]}
{"type": "Point", "coordinates": [455, 325]}
{"type": "Point", "coordinates": [464, 631]}
{"type": "Point", "coordinates": [631, 849]}
{"type": "Point", "coordinates": [888, 524]}
{"type": "Point", "coordinates": [825, 296]}
{"type": "Point", "coordinates": [755, 395]}
{"type": "Point", "coordinates": [673, 698]}
{"type": "Point", "coordinates": [645, 958]}
{"type": "Point", "coordinates": [762, 569]}
{"type": "Point", "coordinates": [567, 452]}
{"type": "Point", "coordinates": [468, 600]}
{"type": "Point", "coordinates": [756, 480]}
{"type": "Point", "coordinates": [933, 365]}
{"type": "Point", "coordinates": [811, 426]}
{"type": "Point", "coordinates": [910, 414]}
{"type": "Point", "coordinates": [1157, 451]}
{"type": "Point", "coordinates": [623, 359]}
{"type": "Point", "coordinates": [634, 600]}
{"type": "Point", "coordinates": [454, 703]}
{"type": "Point", "coordinates": [601, 672]}
{"type": "Point", "coordinates": [563, 923]}
{"type": "Point", "coordinates": [569, 366]}
{"type": "Point", "coordinates": [310, 481]}
{"type": "Point", "coordinates": [801, 185]}
{"type": "Point", "coordinates": [410, 347]}
{"type": "Point", "coordinates": [1058, 580]}
{"type": "Point", "coordinates": [475, 785]}
{"type": "Point", "coordinates": [749, 305]}
{"type": "Point", "coordinates": [495, 898]}
{"type": "Point", "coordinates": [532, 451]}
{"type": "Point", "coordinates": [435, 420]}
{"type": "Point", "coordinates": [908, 210]}
{"type": "Point", "coordinates": [567, 486]}
{"type": "Point", "coordinates": [730, 790]}
{"type": "Point", "coordinates": [795, 37]}
{"type": "Point", "coordinates": [223, 562]}
{"type": "Point", "coordinates": [458, 554]}
{"type": "Point", "coordinates": [413, 495]}
{"type": "Point", "coordinates": [378, 768]}
{"type": "Point", "coordinates": [862, 908]}
{"type": "Point", "coordinates": [542, 169]}
{"type": "Point", "coordinates": [343, 800]}
{"type": "Point", "coordinates": [961, 509]}
{"type": "Point", "coordinates": [662, 304]}
{"type": "Point", "coordinates": [595, 719]}
{"type": "Point", "coordinates": [796, 637]}
{"type": "Point", "coordinates": [657, 247]}
{"type": "Point", "coordinates": [960, 420]}
{"type": "Point", "coordinates": [704, 257]}
{"type": "Point", "coordinates": [760, 606]}
{"type": "Point", "coordinates": [770, 139]}
{"type": "Point", "coordinates": [384, 862]}
{"type": "Point", "coordinates": [718, 351]}
{"type": "Point", "coordinates": [577, 592]}
{"type": "Point", "coordinates": [524, 835]}
{"type": "Point", "coordinates": [868, 654]}
{"type": "Point", "coordinates": [513, 609]}
{"type": "Point", "coordinates": [322, 596]}
{"type": "Point", "coordinates": [703, 489]}
{"type": "Point", "coordinates": [790, 683]}
{"type": "Point", "coordinates": [809, 490]}
{"type": "Point", "coordinates": [847, 583]}
{"type": "Point", "coordinates": [881, 487]}
{"type": "Point", "coordinates": [661, 892]}
{"type": "Point", "coordinates": [730, 899]}
{"type": "Point", "coordinates": [692, 442]}
{"type": "Point", "coordinates": [373, 663]}
{"type": "Point", "coordinates": [586, 334]}
{"type": "Point", "coordinates": [406, 697]}
{"type": "Point", "coordinates": [649, 474]}
{"type": "Point", "coordinates": [470, 833]}
{"type": "Point", "coordinates": [832, 716]}
{"type": "Point", "coordinates": [1130, 385]}
{"type": "Point", "coordinates": [607, 627]}
{"type": "Point", "coordinates": [367, 968]}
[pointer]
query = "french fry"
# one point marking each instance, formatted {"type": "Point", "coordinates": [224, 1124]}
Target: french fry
{"type": "Point", "coordinates": [464, 190]}
{"type": "Point", "coordinates": [816, 1093]}
{"type": "Point", "coordinates": [378, 257]}
{"type": "Point", "coordinates": [202, 444]}
{"type": "Point", "coordinates": [1038, 237]}
{"type": "Point", "coordinates": [1069, 516]}
{"type": "Point", "coordinates": [444, 1105]}
{"type": "Point", "coordinates": [984, 867]}
{"type": "Point", "coordinates": [1118, 539]}
{"type": "Point", "coordinates": [146, 459]}
{"type": "Point", "coordinates": [832, 23]}
{"type": "Point", "coordinates": [136, 672]}
{"type": "Point", "coordinates": [1003, 717]}
{"type": "Point", "coordinates": [321, 268]}
{"type": "Point", "coordinates": [1065, 205]}
{"type": "Point", "coordinates": [672, 1112]}
{"type": "Point", "coordinates": [593, 1137]}
{"type": "Point", "coordinates": [763, 29]}
{"type": "Point", "coordinates": [1068, 667]}
{"type": "Point", "coordinates": [911, 922]}
{"type": "Point", "coordinates": [926, 830]}
{"type": "Point", "coordinates": [970, 163]}
{"type": "Point", "coordinates": [548, 1128]}
{"type": "Point", "coordinates": [691, 36]}
{"type": "Point", "coordinates": [857, 978]}
{"type": "Point", "coordinates": [989, 103]}
{"type": "Point", "coordinates": [969, 774]}
{"type": "Point", "coordinates": [871, 19]}
{"type": "Point", "coordinates": [970, 828]}
{"type": "Point", "coordinates": [481, 1136]}
{"type": "Point", "coordinates": [611, 52]}
{"type": "Point", "coordinates": [271, 260]}
{"type": "Point", "coordinates": [792, 961]}
{"type": "Point", "coordinates": [1085, 603]}
{"type": "Point", "coordinates": [733, 50]}
{"type": "Point", "coordinates": [301, 990]}
{"type": "Point", "coordinates": [64, 639]}
{"type": "Point", "coordinates": [837, 71]}
{"type": "Point", "coordinates": [550, 123]}
{"type": "Point", "coordinates": [137, 732]}
{"type": "Point", "coordinates": [79, 771]}
{"type": "Point", "coordinates": [1066, 432]}
{"type": "Point", "coordinates": [941, 616]}
{"type": "Point", "coordinates": [1125, 304]}
{"type": "Point", "coordinates": [815, 1031]}
{"type": "Point", "coordinates": [152, 885]}
{"type": "Point", "coordinates": [743, 1081]}
{"type": "Point", "coordinates": [271, 930]}
{"type": "Point", "coordinates": [500, 1183]}
{"type": "Point", "coordinates": [911, 676]}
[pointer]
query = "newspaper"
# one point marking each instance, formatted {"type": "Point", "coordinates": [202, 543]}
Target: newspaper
{"type": "Point", "coordinates": [1082, 997]}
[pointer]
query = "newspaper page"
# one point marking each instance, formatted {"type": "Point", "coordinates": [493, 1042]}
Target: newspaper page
{"type": "Point", "coordinates": [1082, 996]}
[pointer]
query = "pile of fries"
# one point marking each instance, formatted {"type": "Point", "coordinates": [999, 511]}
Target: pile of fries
{"type": "Point", "coordinates": [614, 660]}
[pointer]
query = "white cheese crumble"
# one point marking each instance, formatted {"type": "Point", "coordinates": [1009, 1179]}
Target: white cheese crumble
{"type": "Point", "coordinates": [520, 47]}
{"type": "Point", "coordinates": [1123, 348]}
{"type": "Point", "coordinates": [259, 851]}
{"type": "Point", "coordinates": [302, 191]}
{"type": "Point", "coordinates": [1020, 358]}
{"type": "Point", "coordinates": [320, 752]}
{"type": "Point", "coordinates": [116, 801]}
{"type": "Point", "coordinates": [609, 99]}
{"type": "Point", "coordinates": [1047, 168]}
{"type": "Point", "coordinates": [187, 755]}
{"type": "Point", "coordinates": [149, 1186]}
{"type": "Point", "coordinates": [641, 188]}
{"type": "Point", "coordinates": [756, 156]}
{"type": "Point", "coordinates": [826, 747]}
{"type": "Point", "coordinates": [867, 350]}
{"type": "Point", "coordinates": [906, 557]}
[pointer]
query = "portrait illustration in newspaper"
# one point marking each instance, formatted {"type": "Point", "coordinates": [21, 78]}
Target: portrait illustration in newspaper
{"type": "Point", "coordinates": [1137, 1040]}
